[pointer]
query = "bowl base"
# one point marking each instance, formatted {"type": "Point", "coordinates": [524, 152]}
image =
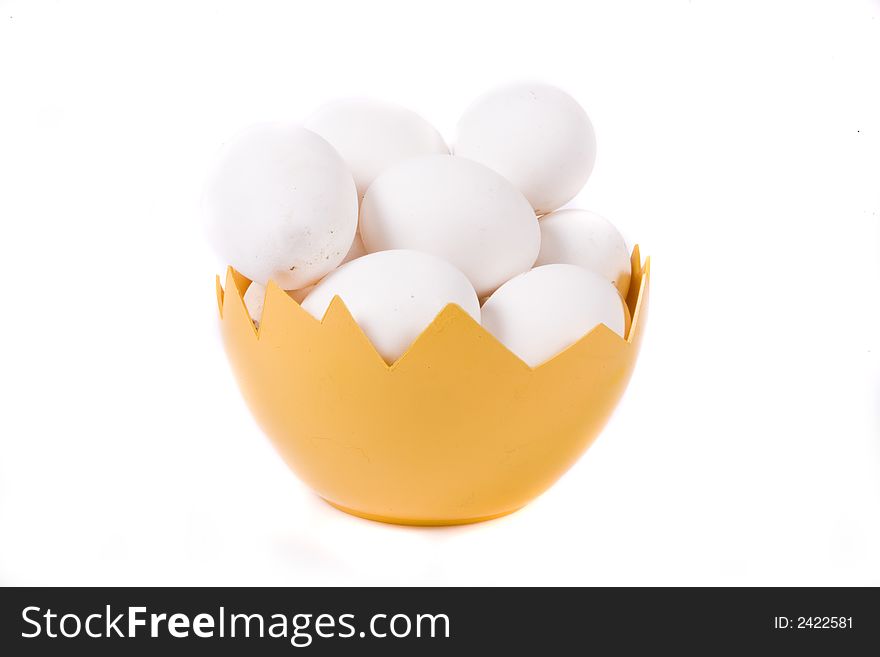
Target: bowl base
{"type": "Point", "coordinates": [421, 522]}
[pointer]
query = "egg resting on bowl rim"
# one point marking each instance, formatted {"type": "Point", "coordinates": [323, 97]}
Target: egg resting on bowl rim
{"type": "Point", "coordinates": [457, 430]}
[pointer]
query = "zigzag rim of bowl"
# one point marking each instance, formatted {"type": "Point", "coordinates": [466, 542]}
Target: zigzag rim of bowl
{"type": "Point", "coordinates": [449, 319]}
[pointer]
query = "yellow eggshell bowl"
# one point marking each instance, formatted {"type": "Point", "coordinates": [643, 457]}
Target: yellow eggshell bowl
{"type": "Point", "coordinates": [457, 430]}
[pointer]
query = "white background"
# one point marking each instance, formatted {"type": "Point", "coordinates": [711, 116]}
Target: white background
{"type": "Point", "coordinates": [739, 144]}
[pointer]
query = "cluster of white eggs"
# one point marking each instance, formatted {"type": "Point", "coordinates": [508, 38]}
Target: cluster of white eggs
{"type": "Point", "coordinates": [366, 201]}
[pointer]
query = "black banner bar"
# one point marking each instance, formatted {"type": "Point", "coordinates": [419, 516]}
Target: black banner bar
{"type": "Point", "coordinates": [335, 621]}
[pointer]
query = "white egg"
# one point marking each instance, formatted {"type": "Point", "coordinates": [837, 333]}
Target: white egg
{"type": "Point", "coordinates": [538, 314]}
{"type": "Point", "coordinates": [356, 251]}
{"type": "Point", "coordinates": [456, 209]}
{"type": "Point", "coordinates": [394, 295]}
{"type": "Point", "coordinates": [281, 205]}
{"type": "Point", "coordinates": [536, 136]}
{"type": "Point", "coordinates": [254, 297]}
{"type": "Point", "coordinates": [372, 136]}
{"type": "Point", "coordinates": [579, 237]}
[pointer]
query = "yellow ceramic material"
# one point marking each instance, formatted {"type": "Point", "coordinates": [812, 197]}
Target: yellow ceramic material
{"type": "Point", "coordinates": [458, 430]}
